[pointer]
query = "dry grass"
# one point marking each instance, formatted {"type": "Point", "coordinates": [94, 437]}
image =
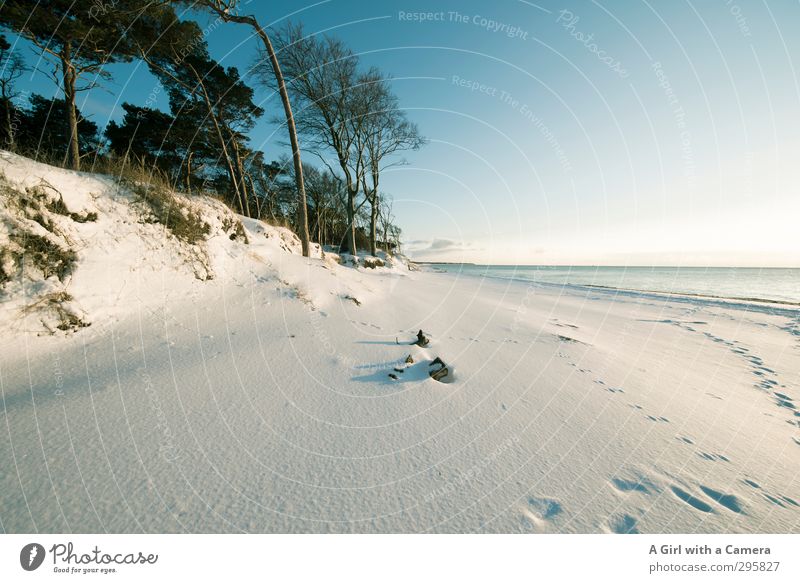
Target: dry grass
{"type": "Point", "coordinates": [153, 188]}
{"type": "Point", "coordinates": [45, 255]}
{"type": "Point", "coordinates": [166, 209]}
{"type": "Point", "coordinates": [54, 307]}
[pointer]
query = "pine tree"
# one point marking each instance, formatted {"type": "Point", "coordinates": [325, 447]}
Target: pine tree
{"type": "Point", "coordinates": [79, 40]}
{"type": "Point", "coordinates": [11, 68]}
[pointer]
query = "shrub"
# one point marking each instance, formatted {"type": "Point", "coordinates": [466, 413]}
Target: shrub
{"type": "Point", "coordinates": [48, 257]}
{"type": "Point", "coordinates": [184, 223]}
{"type": "Point", "coordinates": [4, 277]}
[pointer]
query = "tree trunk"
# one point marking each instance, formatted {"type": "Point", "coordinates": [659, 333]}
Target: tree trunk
{"type": "Point", "coordinates": [189, 172]}
{"type": "Point", "coordinates": [225, 11]}
{"type": "Point", "coordinates": [298, 164]}
{"type": "Point", "coordinates": [240, 172]}
{"type": "Point", "coordinates": [10, 146]}
{"type": "Point", "coordinates": [318, 215]}
{"type": "Point", "coordinates": [373, 225]}
{"type": "Point", "coordinates": [351, 221]}
{"type": "Point", "coordinates": [73, 156]}
{"type": "Point", "coordinates": [220, 137]}
{"type": "Point", "coordinates": [256, 199]}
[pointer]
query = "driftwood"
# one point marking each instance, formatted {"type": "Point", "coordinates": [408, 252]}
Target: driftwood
{"type": "Point", "coordinates": [440, 372]}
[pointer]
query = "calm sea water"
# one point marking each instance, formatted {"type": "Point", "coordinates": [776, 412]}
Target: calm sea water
{"type": "Point", "coordinates": [769, 284]}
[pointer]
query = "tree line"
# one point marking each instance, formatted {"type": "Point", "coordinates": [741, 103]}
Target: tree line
{"type": "Point", "coordinates": [346, 116]}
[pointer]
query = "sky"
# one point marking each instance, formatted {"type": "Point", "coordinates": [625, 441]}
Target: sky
{"type": "Point", "coordinates": [581, 133]}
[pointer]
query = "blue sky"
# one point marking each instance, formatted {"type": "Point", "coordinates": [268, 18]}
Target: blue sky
{"type": "Point", "coordinates": [614, 133]}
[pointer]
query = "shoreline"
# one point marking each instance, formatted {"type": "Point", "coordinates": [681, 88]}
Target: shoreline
{"type": "Point", "coordinates": [593, 266]}
{"type": "Point", "coordinates": [725, 301]}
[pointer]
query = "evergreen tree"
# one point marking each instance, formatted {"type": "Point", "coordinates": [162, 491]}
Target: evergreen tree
{"type": "Point", "coordinates": [46, 131]}
{"type": "Point", "coordinates": [11, 69]}
{"type": "Point", "coordinates": [79, 40]}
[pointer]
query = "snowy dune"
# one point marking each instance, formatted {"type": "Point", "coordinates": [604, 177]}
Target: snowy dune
{"type": "Point", "coordinates": [260, 400]}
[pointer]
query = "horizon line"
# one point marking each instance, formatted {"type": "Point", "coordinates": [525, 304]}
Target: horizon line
{"type": "Point", "coordinates": [601, 265]}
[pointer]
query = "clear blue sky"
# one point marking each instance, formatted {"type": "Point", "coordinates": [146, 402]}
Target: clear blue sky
{"type": "Point", "coordinates": [635, 132]}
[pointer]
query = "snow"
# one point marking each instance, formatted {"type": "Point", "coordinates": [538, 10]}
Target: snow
{"type": "Point", "coordinates": [260, 401]}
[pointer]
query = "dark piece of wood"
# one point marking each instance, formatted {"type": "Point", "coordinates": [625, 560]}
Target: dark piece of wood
{"type": "Point", "coordinates": [438, 369]}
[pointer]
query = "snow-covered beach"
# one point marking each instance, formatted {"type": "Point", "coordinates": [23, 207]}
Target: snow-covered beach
{"type": "Point", "coordinates": [259, 400]}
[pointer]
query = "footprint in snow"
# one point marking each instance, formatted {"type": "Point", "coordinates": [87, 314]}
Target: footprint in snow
{"type": "Point", "coordinates": [729, 501]}
{"type": "Point", "coordinates": [692, 501]}
{"type": "Point", "coordinates": [713, 457]}
{"type": "Point", "coordinates": [777, 500]}
{"type": "Point", "coordinates": [539, 512]}
{"type": "Point", "coordinates": [624, 524]}
{"type": "Point", "coordinates": [629, 485]}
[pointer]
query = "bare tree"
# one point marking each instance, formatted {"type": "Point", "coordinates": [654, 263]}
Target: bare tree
{"type": "Point", "coordinates": [391, 234]}
{"type": "Point", "coordinates": [323, 75]}
{"type": "Point", "coordinates": [386, 132]}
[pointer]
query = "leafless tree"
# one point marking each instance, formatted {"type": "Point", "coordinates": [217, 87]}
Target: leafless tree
{"type": "Point", "coordinates": [332, 102]}
{"type": "Point", "coordinates": [387, 131]}
{"type": "Point", "coordinates": [391, 233]}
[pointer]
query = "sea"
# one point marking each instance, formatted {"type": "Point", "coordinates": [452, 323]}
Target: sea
{"type": "Point", "coordinates": [779, 285]}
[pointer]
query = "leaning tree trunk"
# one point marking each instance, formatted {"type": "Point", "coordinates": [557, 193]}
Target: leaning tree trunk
{"type": "Point", "coordinates": [73, 156]}
{"type": "Point", "coordinates": [225, 10]}
{"type": "Point", "coordinates": [298, 164]}
{"type": "Point", "coordinates": [240, 172]}
{"type": "Point", "coordinates": [220, 137]}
